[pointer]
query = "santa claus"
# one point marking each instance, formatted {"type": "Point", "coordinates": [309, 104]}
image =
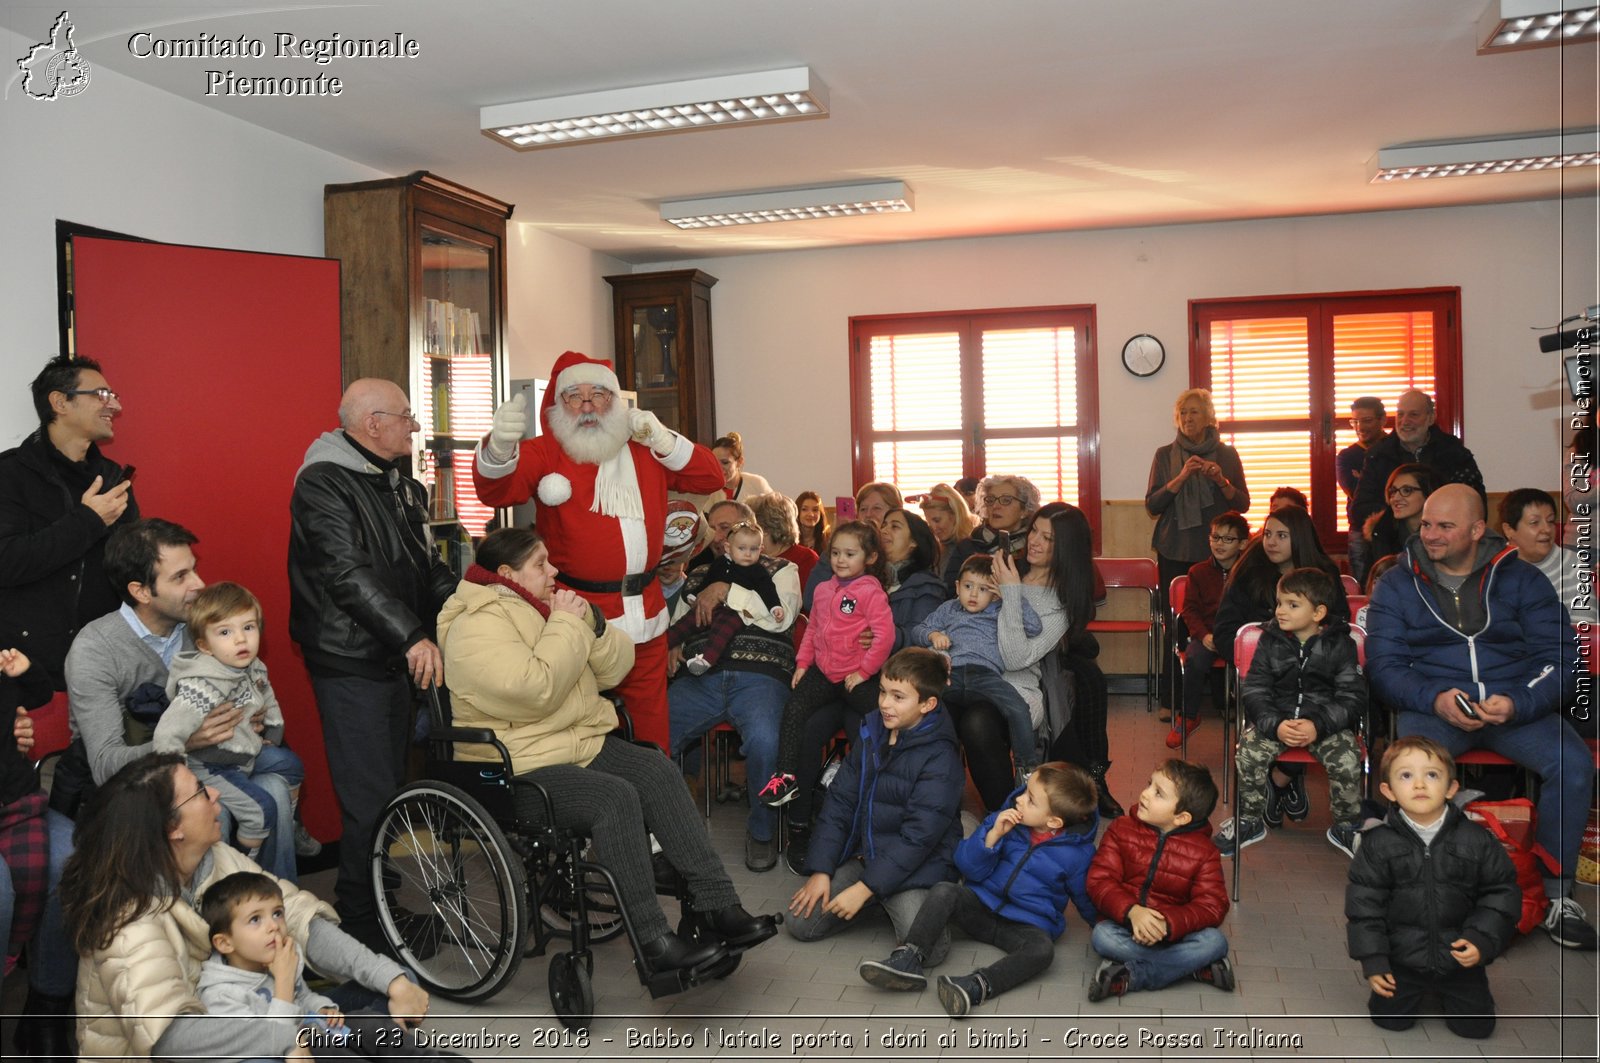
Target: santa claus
{"type": "Point", "coordinates": [600, 473]}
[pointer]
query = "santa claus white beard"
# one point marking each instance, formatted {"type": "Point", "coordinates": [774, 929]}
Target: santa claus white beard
{"type": "Point", "coordinates": [590, 437]}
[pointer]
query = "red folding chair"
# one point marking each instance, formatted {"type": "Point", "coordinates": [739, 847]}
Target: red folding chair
{"type": "Point", "coordinates": [52, 732]}
{"type": "Point", "coordinates": [1136, 573]}
{"type": "Point", "coordinates": [1244, 651]}
{"type": "Point", "coordinates": [1177, 594]}
{"type": "Point", "coordinates": [1351, 586]}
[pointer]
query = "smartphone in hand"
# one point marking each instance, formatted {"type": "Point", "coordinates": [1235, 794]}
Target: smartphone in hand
{"type": "Point", "coordinates": [1466, 707]}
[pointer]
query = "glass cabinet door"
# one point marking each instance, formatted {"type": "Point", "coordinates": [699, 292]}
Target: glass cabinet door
{"type": "Point", "coordinates": [454, 397]}
{"type": "Point", "coordinates": [657, 359]}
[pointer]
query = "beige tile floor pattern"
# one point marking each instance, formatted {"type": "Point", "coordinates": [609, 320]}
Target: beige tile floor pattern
{"type": "Point", "coordinates": [1299, 996]}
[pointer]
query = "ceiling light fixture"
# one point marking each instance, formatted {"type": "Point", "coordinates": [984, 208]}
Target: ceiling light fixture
{"type": "Point", "coordinates": [797, 204]}
{"type": "Point", "coordinates": [675, 107]}
{"type": "Point", "coordinates": [1472, 158]}
{"type": "Point", "coordinates": [1513, 25]}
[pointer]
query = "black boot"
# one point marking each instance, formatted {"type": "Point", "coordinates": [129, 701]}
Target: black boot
{"type": "Point", "coordinates": [44, 1030]}
{"type": "Point", "coordinates": [738, 928]}
{"type": "Point", "coordinates": [1109, 809]}
{"type": "Point", "coordinates": [669, 952]}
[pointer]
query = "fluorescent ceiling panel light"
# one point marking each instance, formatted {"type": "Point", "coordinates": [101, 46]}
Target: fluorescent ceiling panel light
{"type": "Point", "coordinates": [1513, 25]}
{"type": "Point", "coordinates": [675, 107]}
{"type": "Point", "coordinates": [1472, 158]}
{"type": "Point", "coordinates": [799, 204]}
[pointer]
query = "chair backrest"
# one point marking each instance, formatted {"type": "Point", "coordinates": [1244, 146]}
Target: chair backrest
{"type": "Point", "coordinates": [1244, 648]}
{"type": "Point", "coordinates": [1129, 572]}
{"type": "Point", "coordinates": [1358, 635]}
{"type": "Point", "coordinates": [52, 732]}
{"type": "Point", "coordinates": [1351, 584]}
{"type": "Point", "coordinates": [1178, 593]}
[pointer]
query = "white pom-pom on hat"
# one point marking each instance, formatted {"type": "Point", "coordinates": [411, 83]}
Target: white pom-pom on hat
{"type": "Point", "coordinates": [554, 489]}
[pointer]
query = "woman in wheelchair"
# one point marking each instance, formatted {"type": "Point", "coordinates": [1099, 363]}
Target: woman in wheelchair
{"type": "Point", "coordinates": [529, 660]}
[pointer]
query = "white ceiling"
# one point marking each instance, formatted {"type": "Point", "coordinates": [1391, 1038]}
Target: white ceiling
{"type": "Point", "coordinates": [1006, 116]}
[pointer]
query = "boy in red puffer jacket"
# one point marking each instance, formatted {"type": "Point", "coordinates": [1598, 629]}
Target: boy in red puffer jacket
{"type": "Point", "coordinates": [1156, 881]}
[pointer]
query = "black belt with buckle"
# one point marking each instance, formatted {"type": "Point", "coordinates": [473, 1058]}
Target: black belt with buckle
{"type": "Point", "coordinates": [627, 586]}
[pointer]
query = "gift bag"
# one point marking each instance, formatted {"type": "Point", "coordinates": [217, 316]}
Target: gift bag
{"type": "Point", "coordinates": [1514, 823]}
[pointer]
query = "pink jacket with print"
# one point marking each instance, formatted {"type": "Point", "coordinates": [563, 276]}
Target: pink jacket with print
{"type": "Point", "coordinates": [840, 611]}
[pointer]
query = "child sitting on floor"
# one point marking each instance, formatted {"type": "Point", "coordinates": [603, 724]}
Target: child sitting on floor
{"type": "Point", "coordinates": [1022, 865]}
{"type": "Point", "coordinates": [1156, 881]}
{"type": "Point", "coordinates": [1433, 897]}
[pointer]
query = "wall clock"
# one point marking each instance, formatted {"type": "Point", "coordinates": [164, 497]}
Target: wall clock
{"type": "Point", "coordinates": [1143, 355]}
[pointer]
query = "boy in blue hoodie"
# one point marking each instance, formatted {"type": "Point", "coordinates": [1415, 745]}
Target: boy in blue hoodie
{"type": "Point", "coordinates": [1016, 893]}
{"type": "Point", "coordinates": [888, 829]}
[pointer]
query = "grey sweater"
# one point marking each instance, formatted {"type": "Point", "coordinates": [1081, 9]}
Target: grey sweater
{"type": "Point", "coordinates": [198, 684]}
{"type": "Point", "coordinates": [107, 663]}
{"type": "Point", "coordinates": [1561, 566]}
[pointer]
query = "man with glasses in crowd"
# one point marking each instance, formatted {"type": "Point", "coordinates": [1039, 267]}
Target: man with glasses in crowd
{"type": "Point", "coordinates": [59, 499]}
{"type": "Point", "coordinates": [366, 586]}
{"type": "Point", "coordinates": [1415, 439]}
{"type": "Point", "coordinates": [1367, 417]}
{"type": "Point", "coordinates": [600, 473]}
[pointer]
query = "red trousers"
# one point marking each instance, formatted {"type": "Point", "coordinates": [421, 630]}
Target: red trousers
{"type": "Point", "coordinates": [644, 691]}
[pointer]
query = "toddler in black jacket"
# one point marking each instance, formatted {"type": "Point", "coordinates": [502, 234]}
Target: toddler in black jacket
{"type": "Point", "coordinates": [1432, 898]}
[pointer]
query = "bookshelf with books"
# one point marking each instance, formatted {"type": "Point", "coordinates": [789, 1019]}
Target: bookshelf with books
{"type": "Point", "coordinates": [424, 305]}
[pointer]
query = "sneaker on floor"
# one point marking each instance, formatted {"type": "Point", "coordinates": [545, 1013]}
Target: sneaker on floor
{"type": "Point", "coordinates": [1218, 973]}
{"type": "Point", "coordinates": [959, 995]}
{"type": "Point", "coordinates": [304, 843]}
{"type": "Point", "coordinates": [1292, 798]}
{"type": "Point", "coordinates": [1568, 925]}
{"type": "Point", "coordinates": [760, 855]}
{"type": "Point", "coordinates": [1111, 980]}
{"type": "Point", "coordinates": [780, 790]}
{"type": "Point", "coordinates": [1251, 830]}
{"type": "Point", "coordinates": [902, 970]}
{"type": "Point", "coordinates": [1181, 730]}
{"type": "Point", "coordinates": [1272, 812]}
{"type": "Point", "coordinates": [1345, 836]}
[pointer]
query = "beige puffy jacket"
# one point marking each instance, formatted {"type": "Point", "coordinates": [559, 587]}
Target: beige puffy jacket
{"type": "Point", "coordinates": [129, 993]}
{"type": "Point", "coordinates": [536, 682]}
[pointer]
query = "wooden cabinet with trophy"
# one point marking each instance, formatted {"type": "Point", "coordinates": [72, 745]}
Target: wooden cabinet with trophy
{"type": "Point", "coordinates": [663, 346]}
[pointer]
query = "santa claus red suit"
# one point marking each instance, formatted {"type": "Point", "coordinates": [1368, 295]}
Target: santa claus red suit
{"type": "Point", "coordinates": [599, 478]}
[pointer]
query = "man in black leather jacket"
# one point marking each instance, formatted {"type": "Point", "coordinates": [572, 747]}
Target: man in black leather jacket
{"type": "Point", "coordinates": [59, 499]}
{"type": "Point", "coordinates": [366, 587]}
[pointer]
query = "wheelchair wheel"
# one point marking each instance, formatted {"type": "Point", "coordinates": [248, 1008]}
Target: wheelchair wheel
{"type": "Point", "coordinates": [451, 896]}
{"type": "Point", "coordinates": [601, 905]}
{"type": "Point", "coordinates": [571, 991]}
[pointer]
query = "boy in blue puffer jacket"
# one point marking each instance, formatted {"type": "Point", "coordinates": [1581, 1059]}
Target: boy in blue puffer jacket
{"type": "Point", "coordinates": [1021, 866]}
{"type": "Point", "coordinates": [888, 829]}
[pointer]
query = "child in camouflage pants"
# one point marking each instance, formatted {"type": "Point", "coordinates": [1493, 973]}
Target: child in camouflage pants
{"type": "Point", "coordinates": [1304, 691]}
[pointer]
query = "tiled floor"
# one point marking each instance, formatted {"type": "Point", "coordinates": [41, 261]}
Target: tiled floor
{"type": "Point", "coordinates": [789, 999]}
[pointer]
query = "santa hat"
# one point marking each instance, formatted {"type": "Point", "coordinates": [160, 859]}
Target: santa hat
{"type": "Point", "coordinates": [685, 530]}
{"type": "Point", "coordinates": [572, 369]}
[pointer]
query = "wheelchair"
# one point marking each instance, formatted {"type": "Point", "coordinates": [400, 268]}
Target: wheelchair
{"type": "Point", "coordinates": [462, 883]}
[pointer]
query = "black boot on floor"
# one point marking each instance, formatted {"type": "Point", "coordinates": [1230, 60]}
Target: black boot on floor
{"type": "Point", "coordinates": [1109, 809]}
{"type": "Point", "coordinates": [44, 1030]}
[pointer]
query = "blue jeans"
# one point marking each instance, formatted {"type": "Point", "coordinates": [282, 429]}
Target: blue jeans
{"type": "Point", "coordinates": [1197, 673]}
{"type": "Point", "coordinates": [1552, 750]}
{"type": "Point", "coordinates": [52, 965]}
{"type": "Point", "coordinates": [1154, 966]}
{"type": "Point", "coordinates": [973, 682]}
{"type": "Point", "coordinates": [259, 802]}
{"type": "Point", "coordinates": [753, 704]}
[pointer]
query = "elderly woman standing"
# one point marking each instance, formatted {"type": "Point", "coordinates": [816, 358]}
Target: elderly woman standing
{"type": "Point", "coordinates": [1192, 479]}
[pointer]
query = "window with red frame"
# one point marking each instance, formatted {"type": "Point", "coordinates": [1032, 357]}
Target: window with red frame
{"type": "Point", "coordinates": [1283, 372]}
{"type": "Point", "coordinates": [936, 397]}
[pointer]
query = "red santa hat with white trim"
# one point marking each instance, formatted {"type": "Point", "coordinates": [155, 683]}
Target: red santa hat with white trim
{"type": "Point", "coordinates": [570, 370]}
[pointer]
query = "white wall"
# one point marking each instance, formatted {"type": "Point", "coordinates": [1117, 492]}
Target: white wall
{"type": "Point", "coordinates": [784, 318]}
{"type": "Point", "coordinates": [557, 300]}
{"type": "Point", "coordinates": [126, 157]}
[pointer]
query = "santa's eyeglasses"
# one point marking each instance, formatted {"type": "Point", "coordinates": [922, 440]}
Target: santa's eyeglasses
{"type": "Point", "coordinates": [576, 397]}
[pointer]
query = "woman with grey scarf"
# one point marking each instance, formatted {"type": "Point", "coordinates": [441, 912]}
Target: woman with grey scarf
{"type": "Point", "coordinates": [1193, 479]}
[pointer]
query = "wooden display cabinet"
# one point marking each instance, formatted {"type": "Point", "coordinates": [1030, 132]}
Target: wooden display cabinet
{"type": "Point", "coordinates": [663, 346]}
{"type": "Point", "coordinates": [423, 286]}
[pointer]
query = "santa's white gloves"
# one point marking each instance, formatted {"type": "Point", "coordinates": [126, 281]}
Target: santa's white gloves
{"type": "Point", "coordinates": [646, 428]}
{"type": "Point", "coordinates": [510, 422]}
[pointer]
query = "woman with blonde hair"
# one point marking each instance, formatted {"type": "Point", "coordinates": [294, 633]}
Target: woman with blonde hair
{"type": "Point", "coordinates": [1193, 479]}
{"type": "Point", "coordinates": [947, 514]}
